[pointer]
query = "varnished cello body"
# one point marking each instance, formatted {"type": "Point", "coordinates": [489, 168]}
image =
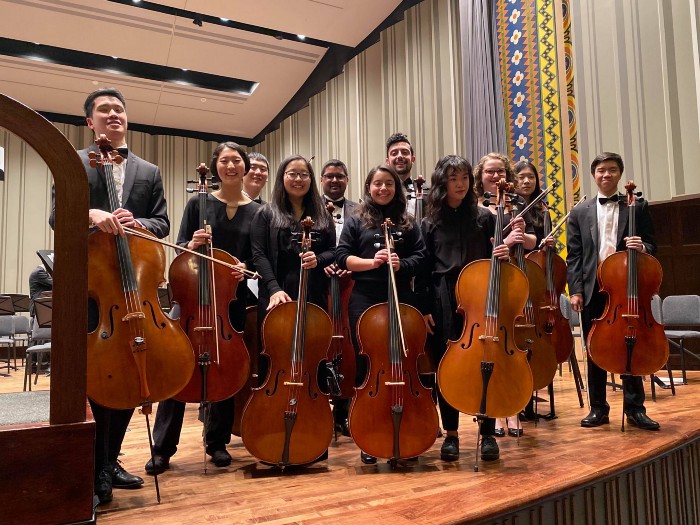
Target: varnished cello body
{"type": "Point", "coordinates": [341, 354]}
{"type": "Point", "coordinates": [288, 420]}
{"type": "Point", "coordinates": [204, 291]}
{"type": "Point", "coordinates": [484, 373]}
{"type": "Point", "coordinates": [392, 415]}
{"type": "Point", "coordinates": [550, 318]}
{"type": "Point", "coordinates": [627, 340]}
{"type": "Point", "coordinates": [136, 355]}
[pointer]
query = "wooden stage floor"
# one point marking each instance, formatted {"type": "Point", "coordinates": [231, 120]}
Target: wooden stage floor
{"type": "Point", "coordinates": [550, 457]}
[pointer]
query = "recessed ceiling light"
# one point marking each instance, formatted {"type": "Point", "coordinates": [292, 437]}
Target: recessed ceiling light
{"type": "Point", "coordinates": [203, 99]}
{"type": "Point", "coordinates": [137, 1]}
{"type": "Point", "coordinates": [115, 58]}
{"type": "Point", "coordinates": [301, 37]}
{"type": "Point", "coordinates": [224, 19]}
{"type": "Point", "coordinates": [185, 69]}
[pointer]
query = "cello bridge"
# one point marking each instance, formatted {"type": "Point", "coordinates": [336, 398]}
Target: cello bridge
{"type": "Point", "coordinates": [133, 315]}
{"type": "Point", "coordinates": [203, 329]}
{"type": "Point", "coordinates": [550, 308]}
{"type": "Point", "coordinates": [338, 337]}
{"type": "Point", "coordinates": [493, 338]}
{"type": "Point", "coordinates": [292, 383]}
{"type": "Point", "coordinates": [524, 325]}
{"type": "Point", "coordinates": [394, 383]}
{"type": "Point", "coordinates": [631, 316]}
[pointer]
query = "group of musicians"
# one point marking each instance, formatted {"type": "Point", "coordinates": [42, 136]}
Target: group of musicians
{"type": "Point", "coordinates": [456, 229]}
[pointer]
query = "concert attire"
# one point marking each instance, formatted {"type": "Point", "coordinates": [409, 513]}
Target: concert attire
{"type": "Point", "coordinates": [587, 240]}
{"type": "Point", "coordinates": [142, 194]}
{"type": "Point", "coordinates": [452, 242]}
{"type": "Point", "coordinates": [371, 286]}
{"type": "Point", "coordinates": [233, 237]}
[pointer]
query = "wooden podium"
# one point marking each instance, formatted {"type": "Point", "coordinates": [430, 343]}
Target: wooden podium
{"type": "Point", "coordinates": [46, 468]}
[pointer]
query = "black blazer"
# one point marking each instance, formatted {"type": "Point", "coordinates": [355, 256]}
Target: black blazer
{"type": "Point", "coordinates": [582, 242]}
{"type": "Point", "coordinates": [142, 193]}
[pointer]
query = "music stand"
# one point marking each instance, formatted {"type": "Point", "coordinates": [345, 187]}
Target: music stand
{"type": "Point", "coordinates": [43, 306]}
{"type": "Point", "coordinates": [20, 302]}
{"type": "Point", "coordinates": [46, 257]}
{"type": "Point", "coordinates": [6, 306]}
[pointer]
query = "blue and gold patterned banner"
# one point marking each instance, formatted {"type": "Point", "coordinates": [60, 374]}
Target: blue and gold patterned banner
{"type": "Point", "coordinates": [530, 42]}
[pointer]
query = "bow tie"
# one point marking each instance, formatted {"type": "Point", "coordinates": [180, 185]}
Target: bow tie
{"type": "Point", "coordinates": [123, 151]}
{"type": "Point", "coordinates": [605, 200]}
{"type": "Point", "coordinates": [338, 204]}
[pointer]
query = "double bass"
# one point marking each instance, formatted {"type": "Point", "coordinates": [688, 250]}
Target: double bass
{"type": "Point", "coordinates": [288, 420]}
{"type": "Point", "coordinates": [392, 414]}
{"type": "Point", "coordinates": [137, 355]}
{"type": "Point", "coordinates": [484, 373]}
{"type": "Point", "coordinates": [204, 291]}
{"type": "Point", "coordinates": [627, 340]}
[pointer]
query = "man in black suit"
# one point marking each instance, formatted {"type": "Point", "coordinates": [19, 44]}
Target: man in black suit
{"type": "Point", "coordinates": [401, 156]}
{"type": "Point", "coordinates": [334, 182]}
{"type": "Point", "coordinates": [595, 230]}
{"type": "Point", "coordinates": [254, 181]}
{"type": "Point", "coordinates": [142, 205]}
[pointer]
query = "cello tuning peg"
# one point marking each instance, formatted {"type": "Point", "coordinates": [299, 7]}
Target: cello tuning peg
{"type": "Point", "coordinates": [377, 236]}
{"type": "Point", "coordinates": [638, 193]}
{"type": "Point", "coordinates": [488, 194]}
{"type": "Point", "coordinates": [192, 182]}
{"type": "Point", "coordinates": [487, 203]}
{"type": "Point", "coordinates": [213, 186]}
{"type": "Point", "coordinates": [191, 190]}
{"type": "Point", "coordinates": [377, 245]}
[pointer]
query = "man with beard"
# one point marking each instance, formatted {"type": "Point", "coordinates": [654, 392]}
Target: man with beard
{"type": "Point", "coordinates": [400, 156]}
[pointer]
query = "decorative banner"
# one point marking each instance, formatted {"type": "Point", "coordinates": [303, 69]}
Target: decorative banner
{"type": "Point", "coordinates": [531, 80]}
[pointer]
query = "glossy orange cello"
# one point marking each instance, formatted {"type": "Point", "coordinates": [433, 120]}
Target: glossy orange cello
{"type": "Point", "coordinates": [204, 290]}
{"type": "Point", "coordinates": [137, 355]}
{"type": "Point", "coordinates": [288, 420]}
{"type": "Point", "coordinates": [484, 373]}
{"type": "Point", "coordinates": [552, 321]}
{"type": "Point", "coordinates": [530, 335]}
{"type": "Point", "coordinates": [627, 340]}
{"type": "Point", "coordinates": [392, 415]}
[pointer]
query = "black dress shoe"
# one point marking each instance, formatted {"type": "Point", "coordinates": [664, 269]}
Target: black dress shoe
{"type": "Point", "coordinates": [220, 458]}
{"type": "Point", "coordinates": [499, 432]}
{"type": "Point", "coordinates": [595, 418]}
{"type": "Point", "coordinates": [489, 448]}
{"type": "Point", "coordinates": [342, 428]}
{"type": "Point", "coordinates": [450, 449]}
{"type": "Point", "coordinates": [121, 479]}
{"type": "Point", "coordinates": [367, 459]}
{"type": "Point", "coordinates": [157, 465]}
{"type": "Point", "coordinates": [515, 432]}
{"type": "Point", "coordinates": [103, 487]}
{"type": "Point", "coordinates": [641, 420]}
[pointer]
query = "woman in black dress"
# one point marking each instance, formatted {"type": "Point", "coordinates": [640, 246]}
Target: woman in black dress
{"type": "Point", "coordinates": [456, 232]}
{"type": "Point", "coordinates": [384, 198]}
{"type": "Point", "coordinates": [229, 213]}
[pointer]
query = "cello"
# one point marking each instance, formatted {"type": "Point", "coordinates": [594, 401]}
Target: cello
{"type": "Point", "coordinates": [627, 340]}
{"type": "Point", "coordinates": [204, 291]}
{"type": "Point", "coordinates": [484, 373]}
{"type": "Point", "coordinates": [288, 420]}
{"type": "Point", "coordinates": [137, 355]}
{"type": "Point", "coordinates": [341, 356]}
{"type": "Point", "coordinates": [552, 321]}
{"type": "Point", "coordinates": [530, 335]}
{"type": "Point", "coordinates": [392, 414]}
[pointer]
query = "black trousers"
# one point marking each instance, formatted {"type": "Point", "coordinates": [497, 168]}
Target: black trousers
{"type": "Point", "coordinates": [633, 388]}
{"type": "Point", "coordinates": [110, 429]}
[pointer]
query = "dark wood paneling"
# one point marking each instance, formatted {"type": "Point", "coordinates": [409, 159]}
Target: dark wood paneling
{"type": "Point", "coordinates": [678, 239]}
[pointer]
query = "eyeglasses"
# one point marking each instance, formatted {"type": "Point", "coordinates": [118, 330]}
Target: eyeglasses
{"type": "Point", "coordinates": [336, 176]}
{"type": "Point", "coordinates": [303, 175]}
{"type": "Point", "coordinates": [495, 172]}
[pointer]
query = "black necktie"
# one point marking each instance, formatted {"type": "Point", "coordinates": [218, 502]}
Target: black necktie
{"type": "Point", "coordinates": [123, 151]}
{"type": "Point", "coordinates": [337, 204]}
{"type": "Point", "coordinates": [604, 200]}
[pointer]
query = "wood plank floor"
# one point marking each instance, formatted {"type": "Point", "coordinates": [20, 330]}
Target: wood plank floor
{"type": "Point", "coordinates": [550, 456]}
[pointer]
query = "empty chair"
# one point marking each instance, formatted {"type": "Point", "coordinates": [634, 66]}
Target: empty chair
{"type": "Point", "coordinates": [7, 337]}
{"type": "Point", "coordinates": [656, 311]}
{"type": "Point", "coordinates": [40, 341]}
{"type": "Point", "coordinates": [681, 311]}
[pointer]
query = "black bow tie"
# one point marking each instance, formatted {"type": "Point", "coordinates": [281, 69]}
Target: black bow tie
{"type": "Point", "coordinates": [123, 151]}
{"type": "Point", "coordinates": [338, 204]}
{"type": "Point", "coordinates": [604, 200]}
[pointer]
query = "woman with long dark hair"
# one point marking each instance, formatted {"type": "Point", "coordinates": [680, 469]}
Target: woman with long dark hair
{"type": "Point", "coordinates": [528, 187]}
{"type": "Point", "coordinates": [456, 232]}
{"type": "Point", "coordinates": [384, 198]}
